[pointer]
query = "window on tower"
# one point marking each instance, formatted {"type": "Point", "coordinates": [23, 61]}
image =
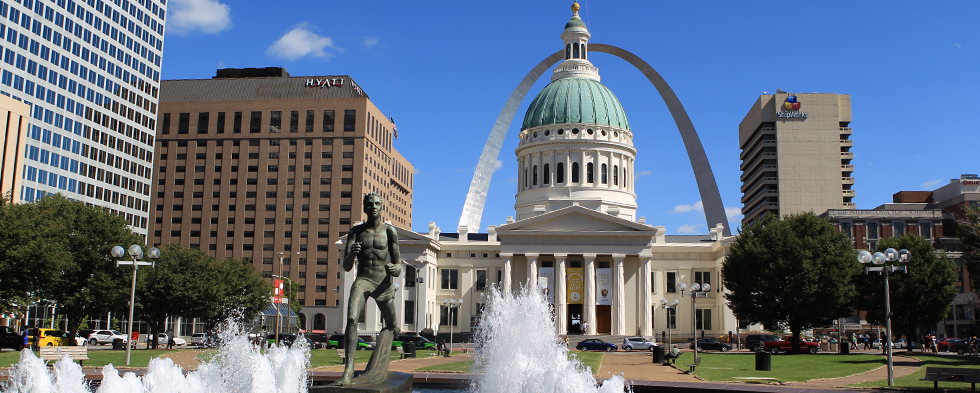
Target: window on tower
{"type": "Point", "coordinates": [575, 176]}
{"type": "Point", "coordinates": [546, 174]}
{"type": "Point", "coordinates": [560, 173]}
{"type": "Point", "coordinates": [568, 51]}
{"type": "Point", "coordinates": [575, 50]}
{"type": "Point", "coordinates": [589, 173]}
{"type": "Point", "coordinates": [534, 175]}
{"type": "Point", "coordinates": [615, 175]}
{"type": "Point", "coordinates": [602, 173]}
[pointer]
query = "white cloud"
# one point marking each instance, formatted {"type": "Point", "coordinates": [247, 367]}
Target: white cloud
{"type": "Point", "coordinates": [511, 180]}
{"type": "Point", "coordinates": [689, 229]}
{"type": "Point", "coordinates": [733, 212]}
{"type": "Point", "coordinates": [958, 46]}
{"type": "Point", "coordinates": [497, 165]}
{"type": "Point", "coordinates": [369, 41]}
{"type": "Point", "coordinates": [932, 183]}
{"type": "Point", "coordinates": [206, 16]}
{"type": "Point", "coordinates": [644, 173]}
{"type": "Point", "coordinates": [301, 42]}
{"type": "Point", "coordinates": [697, 206]}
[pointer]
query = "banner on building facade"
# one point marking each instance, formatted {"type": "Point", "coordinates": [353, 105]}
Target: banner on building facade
{"type": "Point", "coordinates": [546, 281]}
{"type": "Point", "coordinates": [575, 285]}
{"type": "Point", "coordinates": [603, 287]}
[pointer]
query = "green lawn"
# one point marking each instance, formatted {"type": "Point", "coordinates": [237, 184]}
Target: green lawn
{"type": "Point", "coordinates": [328, 357]}
{"type": "Point", "coordinates": [138, 358]}
{"type": "Point", "coordinates": [588, 359]}
{"type": "Point", "coordinates": [912, 381]}
{"type": "Point", "coordinates": [785, 367]}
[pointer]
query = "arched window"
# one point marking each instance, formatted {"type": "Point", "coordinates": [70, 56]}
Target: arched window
{"type": "Point", "coordinates": [546, 174]}
{"type": "Point", "coordinates": [319, 322]}
{"type": "Point", "coordinates": [584, 50]}
{"type": "Point", "coordinates": [568, 51]}
{"type": "Point", "coordinates": [575, 172]}
{"type": "Point", "coordinates": [615, 175]}
{"type": "Point", "coordinates": [589, 173]}
{"type": "Point", "coordinates": [560, 173]}
{"type": "Point", "coordinates": [626, 184]}
{"type": "Point", "coordinates": [525, 177]}
{"type": "Point", "coordinates": [534, 175]}
{"type": "Point", "coordinates": [302, 321]}
{"type": "Point", "coordinates": [602, 173]}
{"type": "Point", "coordinates": [575, 50]}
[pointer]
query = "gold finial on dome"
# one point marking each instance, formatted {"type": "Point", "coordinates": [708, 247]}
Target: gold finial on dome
{"type": "Point", "coordinates": [575, 7]}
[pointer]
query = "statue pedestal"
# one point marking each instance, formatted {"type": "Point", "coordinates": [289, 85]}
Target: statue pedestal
{"type": "Point", "coordinates": [396, 383]}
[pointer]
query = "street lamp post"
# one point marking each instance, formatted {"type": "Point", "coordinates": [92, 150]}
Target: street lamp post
{"type": "Point", "coordinates": [418, 279]}
{"type": "Point", "coordinates": [287, 296]}
{"type": "Point", "coordinates": [879, 258]}
{"type": "Point", "coordinates": [667, 307]}
{"type": "Point", "coordinates": [282, 256]}
{"type": "Point", "coordinates": [136, 252]}
{"type": "Point", "coordinates": [696, 290]}
{"type": "Point", "coordinates": [451, 304]}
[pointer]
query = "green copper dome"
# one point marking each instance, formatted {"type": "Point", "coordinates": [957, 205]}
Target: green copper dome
{"type": "Point", "coordinates": [575, 100]}
{"type": "Point", "coordinates": [575, 23]}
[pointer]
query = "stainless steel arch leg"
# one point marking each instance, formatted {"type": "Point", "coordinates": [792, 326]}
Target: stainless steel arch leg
{"type": "Point", "coordinates": [714, 209]}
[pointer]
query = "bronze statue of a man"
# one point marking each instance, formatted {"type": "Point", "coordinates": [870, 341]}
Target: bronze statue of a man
{"type": "Point", "coordinates": [372, 243]}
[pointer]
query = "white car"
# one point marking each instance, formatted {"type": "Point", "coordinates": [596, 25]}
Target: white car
{"type": "Point", "coordinates": [103, 337]}
{"type": "Point", "coordinates": [79, 340]}
{"type": "Point", "coordinates": [199, 339]}
{"type": "Point", "coordinates": [638, 343]}
{"type": "Point", "coordinates": [162, 340]}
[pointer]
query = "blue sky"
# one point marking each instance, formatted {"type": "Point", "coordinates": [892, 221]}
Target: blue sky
{"type": "Point", "coordinates": [443, 70]}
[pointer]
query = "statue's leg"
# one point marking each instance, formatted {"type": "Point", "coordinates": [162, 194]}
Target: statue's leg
{"type": "Point", "coordinates": [377, 368]}
{"type": "Point", "coordinates": [354, 306]}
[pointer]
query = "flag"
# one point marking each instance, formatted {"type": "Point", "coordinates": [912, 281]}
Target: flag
{"type": "Point", "coordinates": [394, 129]}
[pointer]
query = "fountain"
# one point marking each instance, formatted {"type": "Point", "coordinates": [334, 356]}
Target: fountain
{"type": "Point", "coordinates": [517, 351]}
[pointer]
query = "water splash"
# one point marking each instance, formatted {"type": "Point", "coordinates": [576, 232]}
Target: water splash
{"type": "Point", "coordinates": [238, 366]}
{"type": "Point", "coordinates": [518, 350]}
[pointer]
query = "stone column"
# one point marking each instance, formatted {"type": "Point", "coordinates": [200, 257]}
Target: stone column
{"type": "Point", "coordinates": [532, 270]}
{"type": "Point", "coordinates": [589, 302]}
{"type": "Point", "coordinates": [561, 308]}
{"type": "Point", "coordinates": [619, 296]}
{"type": "Point", "coordinates": [506, 284]}
{"type": "Point", "coordinates": [646, 294]}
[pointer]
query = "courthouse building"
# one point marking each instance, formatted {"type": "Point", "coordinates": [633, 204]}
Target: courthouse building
{"type": "Point", "coordinates": [576, 236]}
{"type": "Point", "coordinates": [259, 165]}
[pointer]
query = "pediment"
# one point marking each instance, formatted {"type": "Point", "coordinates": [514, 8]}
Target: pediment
{"type": "Point", "coordinates": [575, 219]}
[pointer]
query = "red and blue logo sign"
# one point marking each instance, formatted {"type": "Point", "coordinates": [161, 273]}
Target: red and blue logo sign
{"type": "Point", "coordinates": [791, 103]}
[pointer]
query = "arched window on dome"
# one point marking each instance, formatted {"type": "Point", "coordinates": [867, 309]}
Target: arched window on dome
{"type": "Point", "coordinates": [626, 184]}
{"type": "Point", "coordinates": [525, 178]}
{"type": "Point", "coordinates": [568, 51]}
{"type": "Point", "coordinates": [560, 173]}
{"type": "Point", "coordinates": [602, 173]}
{"type": "Point", "coordinates": [534, 175]}
{"type": "Point", "coordinates": [575, 50]}
{"type": "Point", "coordinates": [546, 174]}
{"type": "Point", "coordinates": [585, 51]}
{"type": "Point", "coordinates": [615, 175]}
{"type": "Point", "coordinates": [589, 173]}
{"type": "Point", "coordinates": [575, 172]}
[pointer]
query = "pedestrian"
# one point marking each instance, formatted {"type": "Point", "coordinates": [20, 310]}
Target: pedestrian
{"type": "Point", "coordinates": [867, 341]}
{"type": "Point", "coordinates": [672, 355]}
{"type": "Point", "coordinates": [934, 344]}
{"type": "Point", "coordinates": [441, 346]}
{"type": "Point", "coordinates": [585, 328]}
{"type": "Point", "coordinates": [854, 341]}
{"type": "Point", "coordinates": [170, 340]}
{"type": "Point", "coordinates": [27, 337]}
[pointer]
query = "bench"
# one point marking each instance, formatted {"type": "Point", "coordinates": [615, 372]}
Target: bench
{"type": "Point", "coordinates": [341, 353]}
{"type": "Point", "coordinates": [401, 351]}
{"type": "Point", "coordinates": [697, 362]}
{"type": "Point", "coordinates": [468, 347]}
{"type": "Point", "coordinates": [56, 353]}
{"type": "Point", "coordinates": [946, 374]}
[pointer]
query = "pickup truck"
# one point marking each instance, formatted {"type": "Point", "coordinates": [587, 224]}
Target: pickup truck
{"type": "Point", "coordinates": [778, 346]}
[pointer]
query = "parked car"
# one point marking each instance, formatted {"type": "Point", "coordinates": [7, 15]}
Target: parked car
{"type": "Point", "coordinates": [199, 339]}
{"type": "Point", "coordinates": [51, 337]}
{"type": "Point", "coordinates": [80, 341]}
{"type": "Point", "coordinates": [317, 341]}
{"type": "Point", "coordinates": [710, 344]}
{"type": "Point", "coordinates": [337, 341]}
{"type": "Point", "coordinates": [943, 344]}
{"type": "Point", "coordinates": [419, 341]}
{"type": "Point", "coordinates": [595, 344]}
{"type": "Point", "coordinates": [162, 339]}
{"type": "Point", "coordinates": [755, 341]}
{"type": "Point", "coordinates": [781, 345]}
{"type": "Point", "coordinates": [10, 339]}
{"type": "Point", "coordinates": [877, 344]}
{"type": "Point", "coordinates": [103, 337]}
{"type": "Point", "coordinates": [960, 346]}
{"type": "Point", "coordinates": [638, 343]}
{"type": "Point", "coordinates": [902, 344]}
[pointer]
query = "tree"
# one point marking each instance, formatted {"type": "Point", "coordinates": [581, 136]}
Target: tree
{"type": "Point", "coordinates": [795, 273]}
{"type": "Point", "coordinates": [176, 286]}
{"type": "Point", "coordinates": [968, 229]}
{"type": "Point", "coordinates": [236, 291]}
{"type": "Point", "coordinates": [57, 250]}
{"type": "Point", "coordinates": [919, 298]}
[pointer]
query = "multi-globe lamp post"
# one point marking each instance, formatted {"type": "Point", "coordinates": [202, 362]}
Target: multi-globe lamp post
{"type": "Point", "coordinates": [450, 305]}
{"type": "Point", "coordinates": [696, 290]}
{"type": "Point", "coordinates": [278, 291]}
{"type": "Point", "coordinates": [667, 306]}
{"type": "Point", "coordinates": [881, 259]}
{"type": "Point", "coordinates": [136, 253]}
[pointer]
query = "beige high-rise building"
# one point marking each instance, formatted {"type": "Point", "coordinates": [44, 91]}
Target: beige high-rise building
{"type": "Point", "coordinates": [796, 154]}
{"type": "Point", "coordinates": [259, 165]}
{"type": "Point", "coordinates": [14, 116]}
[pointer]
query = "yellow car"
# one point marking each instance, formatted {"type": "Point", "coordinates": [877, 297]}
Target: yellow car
{"type": "Point", "coordinates": [51, 338]}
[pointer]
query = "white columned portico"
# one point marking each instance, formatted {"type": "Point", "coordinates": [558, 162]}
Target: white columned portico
{"type": "Point", "coordinates": [506, 284]}
{"type": "Point", "coordinates": [561, 309]}
{"type": "Point", "coordinates": [532, 271]}
{"type": "Point", "coordinates": [590, 293]}
{"type": "Point", "coordinates": [619, 296]}
{"type": "Point", "coordinates": [646, 291]}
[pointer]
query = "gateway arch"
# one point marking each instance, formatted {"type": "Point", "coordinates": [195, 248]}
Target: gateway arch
{"type": "Point", "coordinates": [714, 210]}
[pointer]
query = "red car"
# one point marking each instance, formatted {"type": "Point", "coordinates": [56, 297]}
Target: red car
{"type": "Point", "coordinates": [775, 347]}
{"type": "Point", "coordinates": [943, 344]}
